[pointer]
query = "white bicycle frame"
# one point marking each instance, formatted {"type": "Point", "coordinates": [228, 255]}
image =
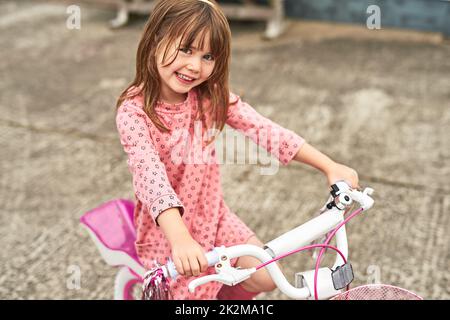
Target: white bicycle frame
{"type": "Point", "coordinates": [291, 240]}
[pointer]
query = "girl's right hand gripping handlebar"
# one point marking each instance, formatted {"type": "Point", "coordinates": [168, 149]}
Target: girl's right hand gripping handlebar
{"type": "Point", "coordinates": [170, 270]}
{"type": "Point", "coordinates": [218, 257]}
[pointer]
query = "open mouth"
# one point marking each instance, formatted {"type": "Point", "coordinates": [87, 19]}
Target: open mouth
{"type": "Point", "coordinates": [183, 78]}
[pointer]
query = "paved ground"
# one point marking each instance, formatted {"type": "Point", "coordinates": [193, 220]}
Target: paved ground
{"type": "Point", "coordinates": [375, 100]}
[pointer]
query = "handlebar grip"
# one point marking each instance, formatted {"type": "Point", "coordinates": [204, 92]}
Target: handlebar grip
{"type": "Point", "coordinates": [212, 257]}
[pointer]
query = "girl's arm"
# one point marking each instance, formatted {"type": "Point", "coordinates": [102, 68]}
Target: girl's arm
{"type": "Point", "coordinates": [152, 188]}
{"type": "Point", "coordinates": [284, 144]}
{"type": "Point", "coordinates": [334, 171]}
{"type": "Point", "coordinates": [280, 142]}
{"type": "Point", "coordinates": [150, 181]}
{"type": "Point", "coordinates": [187, 254]}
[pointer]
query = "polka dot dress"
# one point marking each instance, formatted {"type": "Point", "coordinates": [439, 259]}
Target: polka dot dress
{"type": "Point", "coordinates": [171, 170]}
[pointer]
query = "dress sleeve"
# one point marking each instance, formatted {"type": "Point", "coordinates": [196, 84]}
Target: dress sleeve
{"type": "Point", "coordinates": [150, 181]}
{"type": "Point", "coordinates": [280, 142]}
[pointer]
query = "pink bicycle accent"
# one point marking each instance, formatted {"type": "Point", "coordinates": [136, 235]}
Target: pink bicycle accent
{"type": "Point", "coordinates": [112, 223]}
{"type": "Point", "coordinates": [377, 292]}
{"type": "Point", "coordinates": [126, 290]}
{"type": "Point", "coordinates": [112, 229]}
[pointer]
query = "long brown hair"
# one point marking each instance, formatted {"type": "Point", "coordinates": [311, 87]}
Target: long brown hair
{"type": "Point", "coordinates": [169, 20]}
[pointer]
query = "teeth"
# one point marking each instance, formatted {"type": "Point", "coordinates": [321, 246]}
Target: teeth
{"type": "Point", "coordinates": [182, 76]}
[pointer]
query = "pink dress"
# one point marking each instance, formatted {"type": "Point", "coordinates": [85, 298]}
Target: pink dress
{"type": "Point", "coordinates": [161, 180]}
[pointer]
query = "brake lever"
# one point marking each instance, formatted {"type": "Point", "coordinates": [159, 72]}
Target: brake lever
{"type": "Point", "coordinates": [226, 274]}
{"type": "Point", "coordinates": [343, 196]}
{"type": "Point", "coordinates": [223, 278]}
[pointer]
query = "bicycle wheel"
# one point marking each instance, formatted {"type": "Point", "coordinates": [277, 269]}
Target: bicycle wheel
{"type": "Point", "coordinates": [124, 284]}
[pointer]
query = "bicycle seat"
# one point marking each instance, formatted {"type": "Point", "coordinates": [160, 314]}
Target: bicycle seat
{"type": "Point", "coordinates": [111, 227]}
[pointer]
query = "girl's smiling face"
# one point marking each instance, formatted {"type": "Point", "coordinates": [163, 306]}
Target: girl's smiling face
{"type": "Point", "coordinates": [184, 68]}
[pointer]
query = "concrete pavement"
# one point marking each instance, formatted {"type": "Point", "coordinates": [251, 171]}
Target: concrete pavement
{"type": "Point", "coordinates": [377, 101]}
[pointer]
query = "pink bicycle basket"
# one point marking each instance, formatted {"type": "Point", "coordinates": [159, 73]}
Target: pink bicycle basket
{"type": "Point", "coordinates": [377, 292]}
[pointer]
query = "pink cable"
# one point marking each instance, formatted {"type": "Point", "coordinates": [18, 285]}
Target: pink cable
{"type": "Point", "coordinates": [319, 258]}
{"type": "Point", "coordinates": [302, 249]}
{"type": "Point", "coordinates": [323, 246]}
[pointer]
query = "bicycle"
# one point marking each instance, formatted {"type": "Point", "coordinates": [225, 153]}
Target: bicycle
{"type": "Point", "coordinates": [111, 228]}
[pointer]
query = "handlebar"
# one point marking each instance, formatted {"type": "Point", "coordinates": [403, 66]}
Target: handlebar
{"type": "Point", "coordinates": [342, 198]}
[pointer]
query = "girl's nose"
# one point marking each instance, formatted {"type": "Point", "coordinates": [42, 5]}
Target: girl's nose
{"type": "Point", "coordinates": [190, 68]}
{"type": "Point", "coordinates": [194, 66]}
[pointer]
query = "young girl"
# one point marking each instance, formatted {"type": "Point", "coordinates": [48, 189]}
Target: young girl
{"type": "Point", "coordinates": [182, 69]}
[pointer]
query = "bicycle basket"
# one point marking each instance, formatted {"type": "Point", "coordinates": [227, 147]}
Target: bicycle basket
{"type": "Point", "coordinates": [377, 292]}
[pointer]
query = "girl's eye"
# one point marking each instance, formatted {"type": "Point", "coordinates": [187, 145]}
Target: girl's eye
{"type": "Point", "coordinates": [209, 57]}
{"type": "Point", "coordinates": [185, 50]}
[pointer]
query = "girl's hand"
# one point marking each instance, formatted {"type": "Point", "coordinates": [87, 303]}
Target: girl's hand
{"type": "Point", "coordinates": [339, 172]}
{"type": "Point", "coordinates": [188, 256]}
